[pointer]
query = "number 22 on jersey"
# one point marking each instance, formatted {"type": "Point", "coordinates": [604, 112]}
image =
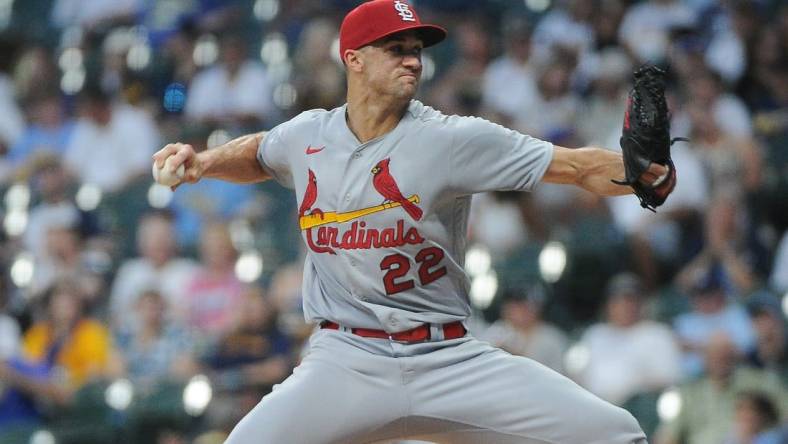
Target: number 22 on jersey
{"type": "Point", "coordinates": [398, 266]}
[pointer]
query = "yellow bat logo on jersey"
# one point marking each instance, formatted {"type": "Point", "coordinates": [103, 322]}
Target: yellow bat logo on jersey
{"type": "Point", "coordinates": [317, 219]}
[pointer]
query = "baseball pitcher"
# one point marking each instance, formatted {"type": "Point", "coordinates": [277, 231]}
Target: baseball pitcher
{"type": "Point", "coordinates": [384, 185]}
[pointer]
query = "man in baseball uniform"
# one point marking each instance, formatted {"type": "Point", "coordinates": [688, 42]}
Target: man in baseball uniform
{"type": "Point", "coordinates": [384, 186]}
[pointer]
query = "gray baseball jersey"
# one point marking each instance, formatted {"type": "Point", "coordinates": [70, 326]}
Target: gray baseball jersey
{"type": "Point", "coordinates": [385, 224]}
{"type": "Point", "coordinates": [385, 221]}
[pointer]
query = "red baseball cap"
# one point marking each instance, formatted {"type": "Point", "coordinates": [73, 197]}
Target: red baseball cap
{"type": "Point", "coordinates": [376, 19]}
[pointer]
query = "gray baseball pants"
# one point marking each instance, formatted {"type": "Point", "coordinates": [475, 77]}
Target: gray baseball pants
{"type": "Point", "coordinates": [350, 389]}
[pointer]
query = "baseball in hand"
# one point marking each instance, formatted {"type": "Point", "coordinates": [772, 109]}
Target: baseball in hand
{"type": "Point", "coordinates": [167, 175]}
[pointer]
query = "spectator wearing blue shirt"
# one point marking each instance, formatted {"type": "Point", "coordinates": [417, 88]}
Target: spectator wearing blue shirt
{"type": "Point", "coordinates": [48, 132]}
{"type": "Point", "coordinates": [712, 313]}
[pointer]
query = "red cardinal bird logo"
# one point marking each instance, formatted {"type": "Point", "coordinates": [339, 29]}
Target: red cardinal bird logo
{"type": "Point", "coordinates": [385, 184]}
{"type": "Point", "coordinates": [310, 196]}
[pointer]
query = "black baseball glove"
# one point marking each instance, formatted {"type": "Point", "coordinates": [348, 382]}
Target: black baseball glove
{"type": "Point", "coordinates": [646, 137]}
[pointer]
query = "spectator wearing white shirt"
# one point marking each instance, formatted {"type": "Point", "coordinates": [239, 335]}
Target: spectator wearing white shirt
{"type": "Point", "coordinates": [628, 355]}
{"type": "Point", "coordinates": [513, 69]}
{"type": "Point", "coordinates": [706, 91]}
{"type": "Point", "coordinates": [567, 26]}
{"type": "Point", "coordinates": [646, 26]}
{"type": "Point", "coordinates": [522, 331]}
{"type": "Point", "coordinates": [157, 268]}
{"type": "Point", "coordinates": [237, 91]}
{"type": "Point", "coordinates": [112, 143]}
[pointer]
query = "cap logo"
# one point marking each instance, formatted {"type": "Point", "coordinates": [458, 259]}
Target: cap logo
{"type": "Point", "coordinates": [403, 9]}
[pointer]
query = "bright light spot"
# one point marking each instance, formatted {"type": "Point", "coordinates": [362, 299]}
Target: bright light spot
{"type": "Point", "coordinates": [477, 261]}
{"type": "Point", "coordinates": [241, 234]}
{"type": "Point", "coordinates": [483, 289]}
{"type": "Point", "coordinates": [42, 437]}
{"type": "Point", "coordinates": [88, 197]}
{"type": "Point", "coordinates": [138, 57]}
{"type": "Point", "coordinates": [22, 269]}
{"type": "Point", "coordinates": [537, 5]}
{"type": "Point", "coordinates": [119, 394]}
{"type": "Point", "coordinates": [785, 304]}
{"type": "Point", "coordinates": [71, 58]}
{"type": "Point", "coordinates": [576, 359]}
{"type": "Point", "coordinates": [6, 7]}
{"type": "Point", "coordinates": [174, 97]}
{"type": "Point", "coordinates": [266, 10]}
{"type": "Point", "coordinates": [197, 395]}
{"type": "Point", "coordinates": [15, 222]}
{"type": "Point", "coordinates": [552, 261]}
{"type": "Point", "coordinates": [249, 266]}
{"type": "Point", "coordinates": [669, 405]}
{"type": "Point", "coordinates": [428, 67]}
{"type": "Point", "coordinates": [17, 197]}
{"type": "Point", "coordinates": [285, 95]}
{"type": "Point", "coordinates": [159, 196]}
{"type": "Point", "coordinates": [274, 49]}
{"type": "Point", "coordinates": [72, 81]}
{"type": "Point", "coordinates": [335, 52]}
{"type": "Point", "coordinates": [206, 50]}
{"type": "Point", "coordinates": [218, 137]}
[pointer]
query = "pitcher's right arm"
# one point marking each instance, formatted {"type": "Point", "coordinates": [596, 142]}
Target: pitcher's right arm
{"type": "Point", "coordinates": [235, 161]}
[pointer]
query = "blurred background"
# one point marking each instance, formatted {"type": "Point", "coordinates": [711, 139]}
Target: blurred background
{"type": "Point", "coordinates": [133, 314]}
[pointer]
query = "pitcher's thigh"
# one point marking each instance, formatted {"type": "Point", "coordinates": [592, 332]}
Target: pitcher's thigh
{"type": "Point", "coordinates": [326, 400]}
{"type": "Point", "coordinates": [486, 388]}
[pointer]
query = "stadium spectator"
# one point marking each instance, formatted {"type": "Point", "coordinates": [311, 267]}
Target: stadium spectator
{"type": "Point", "coordinates": [568, 26]}
{"type": "Point", "coordinates": [48, 132]}
{"type": "Point", "coordinates": [771, 348]}
{"type": "Point", "coordinates": [708, 404]}
{"type": "Point", "coordinates": [725, 248]}
{"type": "Point", "coordinates": [156, 268]}
{"type": "Point", "coordinates": [155, 350]}
{"type": "Point", "coordinates": [712, 313]}
{"type": "Point", "coordinates": [61, 353]}
{"type": "Point", "coordinates": [646, 26]}
{"type": "Point", "coordinates": [515, 69]}
{"type": "Point", "coordinates": [112, 143]}
{"type": "Point", "coordinates": [522, 331]}
{"type": "Point", "coordinates": [248, 360]}
{"type": "Point", "coordinates": [724, 115]}
{"type": "Point", "coordinates": [318, 78]}
{"type": "Point", "coordinates": [459, 89]}
{"type": "Point", "coordinates": [756, 421]}
{"type": "Point", "coordinates": [627, 354]}
{"type": "Point", "coordinates": [554, 112]}
{"type": "Point", "coordinates": [65, 258]}
{"type": "Point", "coordinates": [52, 186]}
{"type": "Point", "coordinates": [236, 92]}
{"type": "Point", "coordinates": [213, 294]}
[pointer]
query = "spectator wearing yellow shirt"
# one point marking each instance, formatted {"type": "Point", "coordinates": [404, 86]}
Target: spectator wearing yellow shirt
{"type": "Point", "coordinates": [63, 351]}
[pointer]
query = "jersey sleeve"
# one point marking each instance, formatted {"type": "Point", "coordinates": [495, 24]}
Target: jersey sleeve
{"type": "Point", "coordinates": [488, 157]}
{"type": "Point", "coordinates": [273, 155]}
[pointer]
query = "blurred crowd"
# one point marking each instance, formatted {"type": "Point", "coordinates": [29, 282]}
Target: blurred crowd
{"type": "Point", "coordinates": [131, 312]}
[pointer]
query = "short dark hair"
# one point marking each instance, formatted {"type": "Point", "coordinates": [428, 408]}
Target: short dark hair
{"type": "Point", "coordinates": [764, 406]}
